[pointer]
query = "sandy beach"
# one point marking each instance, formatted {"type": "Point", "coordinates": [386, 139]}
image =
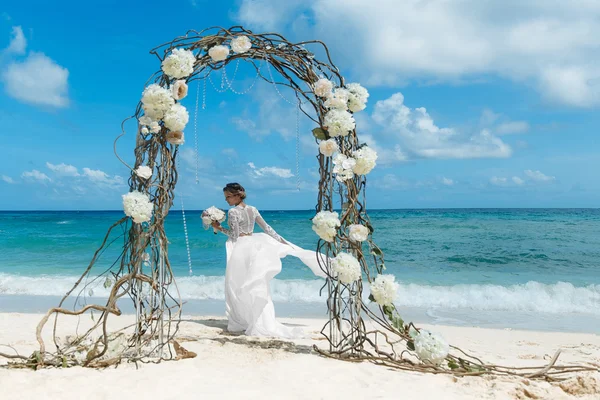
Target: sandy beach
{"type": "Point", "coordinates": [230, 366]}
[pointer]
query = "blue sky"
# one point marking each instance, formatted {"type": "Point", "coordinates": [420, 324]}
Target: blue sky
{"type": "Point", "coordinates": [473, 104]}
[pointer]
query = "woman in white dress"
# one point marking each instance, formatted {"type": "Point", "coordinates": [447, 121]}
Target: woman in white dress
{"type": "Point", "coordinates": [253, 260]}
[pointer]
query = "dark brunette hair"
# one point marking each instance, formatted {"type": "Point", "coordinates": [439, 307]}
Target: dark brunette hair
{"type": "Point", "coordinates": [235, 188]}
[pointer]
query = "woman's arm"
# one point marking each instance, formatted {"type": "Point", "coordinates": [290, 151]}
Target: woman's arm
{"type": "Point", "coordinates": [267, 228]}
{"type": "Point", "coordinates": [234, 226]}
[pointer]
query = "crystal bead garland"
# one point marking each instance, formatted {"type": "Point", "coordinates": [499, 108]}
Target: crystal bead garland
{"type": "Point", "coordinates": [298, 148]}
{"type": "Point", "coordinates": [196, 128]}
{"type": "Point", "coordinates": [185, 229]}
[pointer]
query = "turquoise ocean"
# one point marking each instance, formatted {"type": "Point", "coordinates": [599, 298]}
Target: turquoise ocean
{"type": "Point", "coordinates": [520, 268]}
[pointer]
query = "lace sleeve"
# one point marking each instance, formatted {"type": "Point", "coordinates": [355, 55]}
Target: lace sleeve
{"type": "Point", "coordinates": [234, 225]}
{"type": "Point", "coordinates": [266, 227]}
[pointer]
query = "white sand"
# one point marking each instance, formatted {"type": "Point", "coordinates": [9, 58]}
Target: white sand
{"type": "Point", "coordinates": [229, 367]}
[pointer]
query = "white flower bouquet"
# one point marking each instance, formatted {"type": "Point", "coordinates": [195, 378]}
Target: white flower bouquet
{"type": "Point", "coordinates": [212, 214]}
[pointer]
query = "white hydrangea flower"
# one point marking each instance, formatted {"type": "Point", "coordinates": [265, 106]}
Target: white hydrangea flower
{"type": "Point", "coordinates": [176, 118]}
{"type": "Point", "coordinates": [143, 172]}
{"type": "Point", "coordinates": [384, 289]}
{"type": "Point", "coordinates": [346, 268]}
{"type": "Point", "coordinates": [179, 89]}
{"type": "Point", "coordinates": [325, 224]}
{"type": "Point", "coordinates": [328, 147]}
{"type": "Point", "coordinates": [154, 127]}
{"type": "Point", "coordinates": [342, 167]}
{"type": "Point", "coordinates": [241, 44]}
{"type": "Point", "coordinates": [137, 205]}
{"type": "Point", "coordinates": [339, 122]}
{"type": "Point", "coordinates": [156, 101]}
{"type": "Point", "coordinates": [365, 160]}
{"type": "Point", "coordinates": [358, 233]}
{"type": "Point", "coordinates": [218, 53]}
{"type": "Point", "coordinates": [145, 120]}
{"type": "Point", "coordinates": [144, 130]}
{"type": "Point", "coordinates": [179, 64]}
{"type": "Point", "coordinates": [323, 87]}
{"type": "Point", "coordinates": [357, 98]}
{"type": "Point", "coordinates": [431, 347]}
{"type": "Point", "coordinates": [338, 99]}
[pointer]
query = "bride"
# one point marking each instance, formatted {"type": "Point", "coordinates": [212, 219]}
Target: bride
{"type": "Point", "coordinates": [253, 260]}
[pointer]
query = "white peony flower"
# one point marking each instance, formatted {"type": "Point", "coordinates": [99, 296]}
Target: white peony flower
{"type": "Point", "coordinates": [154, 127]}
{"type": "Point", "coordinates": [137, 205]}
{"type": "Point", "coordinates": [176, 118]}
{"type": "Point", "coordinates": [357, 98]}
{"type": "Point", "coordinates": [339, 122]}
{"type": "Point", "coordinates": [175, 137]}
{"type": "Point", "coordinates": [328, 147]}
{"type": "Point", "coordinates": [156, 101]}
{"type": "Point", "coordinates": [218, 53]}
{"type": "Point", "coordinates": [431, 347]}
{"type": "Point", "coordinates": [358, 233]}
{"type": "Point", "coordinates": [365, 160]}
{"type": "Point", "coordinates": [144, 130]}
{"type": "Point", "coordinates": [346, 268]}
{"type": "Point", "coordinates": [323, 87]}
{"type": "Point", "coordinates": [384, 289]}
{"type": "Point", "coordinates": [179, 64]}
{"type": "Point", "coordinates": [325, 224]}
{"type": "Point", "coordinates": [143, 172]}
{"type": "Point", "coordinates": [179, 89]}
{"type": "Point", "coordinates": [241, 44]}
{"type": "Point", "coordinates": [342, 167]}
{"type": "Point", "coordinates": [338, 99]}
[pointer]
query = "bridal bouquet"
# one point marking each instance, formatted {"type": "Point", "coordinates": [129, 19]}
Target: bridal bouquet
{"type": "Point", "coordinates": [212, 214]}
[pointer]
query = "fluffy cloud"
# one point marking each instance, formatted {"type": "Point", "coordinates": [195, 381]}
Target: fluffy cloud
{"type": "Point", "coordinates": [18, 43]}
{"type": "Point", "coordinates": [7, 179]}
{"type": "Point", "coordinates": [35, 175]}
{"type": "Point", "coordinates": [270, 171]}
{"type": "Point", "coordinates": [63, 169]}
{"type": "Point", "coordinates": [555, 46]}
{"type": "Point", "coordinates": [538, 176]}
{"type": "Point", "coordinates": [37, 79]}
{"type": "Point", "coordinates": [418, 134]}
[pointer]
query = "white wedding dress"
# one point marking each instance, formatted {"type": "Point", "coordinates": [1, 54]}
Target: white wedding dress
{"type": "Point", "coordinates": [253, 260]}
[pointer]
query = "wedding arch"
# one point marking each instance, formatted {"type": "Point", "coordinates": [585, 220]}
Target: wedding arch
{"type": "Point", "coordinates": [357, 329]}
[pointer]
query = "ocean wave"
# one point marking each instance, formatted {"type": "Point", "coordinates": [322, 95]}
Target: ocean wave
{"type": "Point", "coordinates": [561, 297]}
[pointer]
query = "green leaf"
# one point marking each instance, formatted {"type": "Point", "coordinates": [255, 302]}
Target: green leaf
{"type": "Point", "coordinates": [371, 297]}
{"type": "Point", "coordinates": [320, 133]}
{"type": "Point", "coordinates": [371, 229]}
{"type": "Point", "coordinates": [107, 283]}
{"type": "Point", "coordinates": [376, 251]}
{"type": "Point", "coordinates": [410, 345]}
{"type": "Point", "coordinates": [452, 364]}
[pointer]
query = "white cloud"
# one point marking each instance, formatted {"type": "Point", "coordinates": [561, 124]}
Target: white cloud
{"type": "Point", "coordinates": [553, 45]}
{"type": "Point", "coordinates": [419, 134]}
{"type": "Point", "coordinates": [63, 169]}
{"type": "Point", "coordinates": [101, 177]}
{"type": "Point", "coordinates": [538, 176]}
{"type": "Point", "coordinates": [38, 80]}
{"type": "Point", "coordinates": [7, 179]}
{"type": "Point", "coordinates": [498, 181]}
{"type": "Point", "coordinates": [229, 152]}
{"type": "Point", "coordinates": [18, 43]}
{"type": "Point", "coordinates": [272, 171]}
{"type": "Point", "coordinates": [36, 175]}
{"type": "Point", "coordinates": [447, 181]}
{"type": "Point", "coordinates": [508, 128]}
{"type": "Point", "coordinates": [517, 180]}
